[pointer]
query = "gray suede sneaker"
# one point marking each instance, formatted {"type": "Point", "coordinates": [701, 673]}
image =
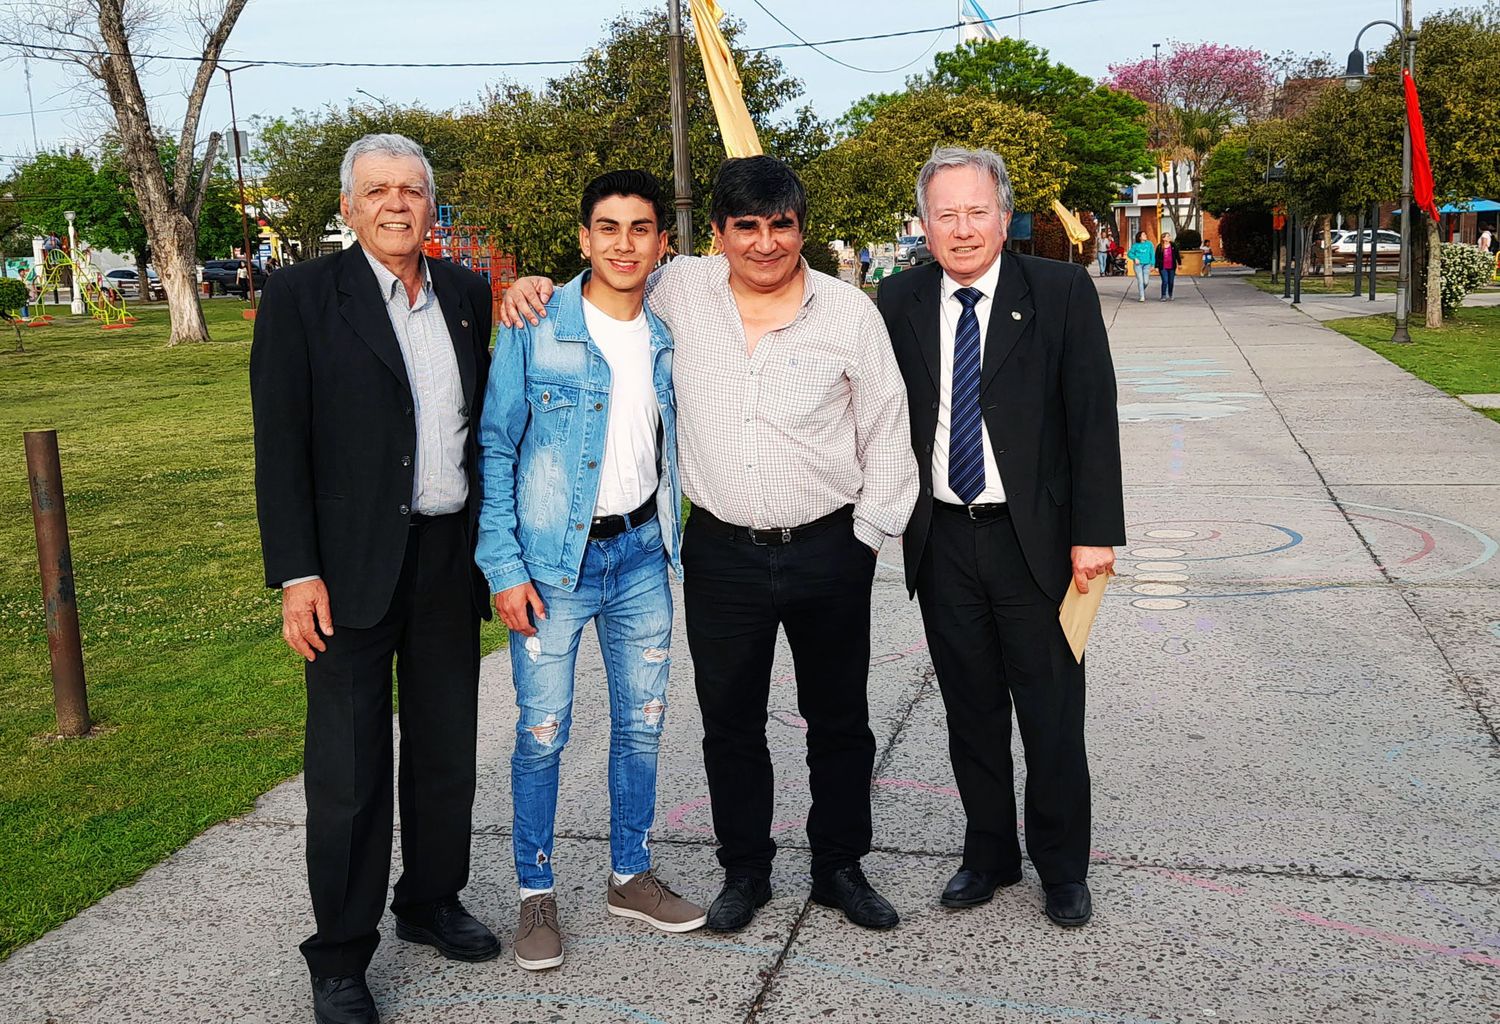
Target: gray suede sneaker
{"type": "Point", "coordinates": [646, 898]}
{"type": "Point", "coordinates": [538, 944]}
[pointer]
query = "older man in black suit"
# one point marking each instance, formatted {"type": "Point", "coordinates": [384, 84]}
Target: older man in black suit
{"type": "Point", "coordinates": [1013, 422]}
{"type": "Point", "coordinates": [366, 377]}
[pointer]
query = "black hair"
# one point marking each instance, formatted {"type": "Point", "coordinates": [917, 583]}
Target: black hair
{"type": "Point", "coordinates": [757, 186]}
{"type": "Point", "coordinates": [623, 183]}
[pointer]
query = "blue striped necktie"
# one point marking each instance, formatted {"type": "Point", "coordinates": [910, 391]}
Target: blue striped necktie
{"type": "Point", "coordinates": [965, 437]}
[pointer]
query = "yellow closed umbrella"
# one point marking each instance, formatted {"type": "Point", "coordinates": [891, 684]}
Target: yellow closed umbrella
{"type": "Point", "coordinates": [724, 86]}
{"type": "Point", "coordinates": [1077, 233]}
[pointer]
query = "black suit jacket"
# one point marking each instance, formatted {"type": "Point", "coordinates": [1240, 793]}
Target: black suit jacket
{"type": "Point", "coordinates": [1047, 387]}
{"type": "Point", "coordinates": [336, 432]}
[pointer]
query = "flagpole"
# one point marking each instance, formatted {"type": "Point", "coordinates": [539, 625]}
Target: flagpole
{"type": "Point", "coordinates": [681, 169]}
{"type": "Point", "coordinates": [1402, 334]}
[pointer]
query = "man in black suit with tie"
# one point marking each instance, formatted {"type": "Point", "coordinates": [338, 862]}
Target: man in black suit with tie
{"type": "Point", "coordinates": [1013, 422]}
{"type": "Point", "coordinates": [366, 377]}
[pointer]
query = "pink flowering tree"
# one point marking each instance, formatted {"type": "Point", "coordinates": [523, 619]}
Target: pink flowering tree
{"type": "Point", "coordinates": [1196, 92]}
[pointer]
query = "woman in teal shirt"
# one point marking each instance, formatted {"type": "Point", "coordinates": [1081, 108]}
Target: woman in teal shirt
{"type": "Point", "coordinates": [1143, 253]}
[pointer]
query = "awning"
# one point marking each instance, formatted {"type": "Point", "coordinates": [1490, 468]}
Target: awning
{"type": "Point", "coordinates": [1474, 206]}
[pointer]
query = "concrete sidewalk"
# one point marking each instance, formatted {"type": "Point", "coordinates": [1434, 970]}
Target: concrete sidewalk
{"type": "Point", "coordinates": [1295, 693]}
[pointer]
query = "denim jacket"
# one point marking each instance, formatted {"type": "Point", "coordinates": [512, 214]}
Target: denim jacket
{"type": "Point", "coordinates": [546, 410]}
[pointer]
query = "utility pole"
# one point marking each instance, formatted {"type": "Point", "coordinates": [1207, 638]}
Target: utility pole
{"type": "Point", "coordinates": [239, 170]}
{"type": "Point", "coordinates": [681, 168]}
{"type": "Point", "coordinates": [30, 104]}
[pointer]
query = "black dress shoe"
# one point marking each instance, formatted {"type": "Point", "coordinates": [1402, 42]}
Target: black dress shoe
{"type": "Point", "coordinates": [1069, 903]}
{"type": "Point", "coordinates": [970, 888]}
{"type": "Point", "coordinates": [737, 902]}
{"type": "Point", "coordinates": [344, 1000]}
{"type": "Point", "coordinates": [450, 928]}
{"type": "Point", "coordinates": [848, 890]}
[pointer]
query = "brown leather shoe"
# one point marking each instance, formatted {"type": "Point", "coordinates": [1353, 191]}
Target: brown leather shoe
{"type": "Point", "coordinates": [647, 898]}
{"type": "Point", "coordinates": [538, 944]}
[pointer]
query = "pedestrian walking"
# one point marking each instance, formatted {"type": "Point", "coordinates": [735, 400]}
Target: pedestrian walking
{"type": "Point", "coordinates": [864, 265]}
{"type": "Point", "coordinates": [1167, 260]}
{"type": "Point", "coordinates": [1143, 255]}
{"type": "Point", "coordinates": [1102, 246]}
{"type": "Point", "coordinates": [1208, 259]}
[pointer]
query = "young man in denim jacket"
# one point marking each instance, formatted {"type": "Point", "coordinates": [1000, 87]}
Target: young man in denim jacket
{"type": "Point", "coordinates": [581, 517]}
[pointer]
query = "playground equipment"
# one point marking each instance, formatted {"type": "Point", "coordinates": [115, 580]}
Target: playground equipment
{"type": "Point", "coordinates": [102, 300]}
{"type": "Point", "coordinates": [470, 247]}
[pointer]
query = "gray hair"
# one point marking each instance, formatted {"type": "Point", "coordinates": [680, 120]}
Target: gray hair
{"type": "Point", "coordinates": [986, 160]}
{"type": "Point", "coordinates": [388, 144]}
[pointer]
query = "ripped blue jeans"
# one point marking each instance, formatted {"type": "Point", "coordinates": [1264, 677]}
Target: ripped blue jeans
{"type": "Point", "coordinates": [622, 588]}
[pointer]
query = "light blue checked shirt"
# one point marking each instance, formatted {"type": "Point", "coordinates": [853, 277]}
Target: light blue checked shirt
{"type": "Point", "coordinates": [439, 485]}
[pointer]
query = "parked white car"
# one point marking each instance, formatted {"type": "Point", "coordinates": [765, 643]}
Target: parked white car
{"type": "Point", "coordinates": [1386, 242]}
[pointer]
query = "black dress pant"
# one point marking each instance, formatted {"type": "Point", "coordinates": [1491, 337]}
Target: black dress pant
{"type": "Point", "coordinates": [431, 632]}
{"type": "Point", "coordinates": [736, 593]}
{"type": "Point", "coordinates": [995, 641]}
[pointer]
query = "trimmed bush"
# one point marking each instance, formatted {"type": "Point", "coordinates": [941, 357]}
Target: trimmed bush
{"type": "Point", "coordinates": [12, 297]}
{"type": "Point", "coordinates": [1189, 240]}
{"type": "Point", "coordinates": [1247, 238]}
{"type": "Point", "coordinates": [1464, 268]}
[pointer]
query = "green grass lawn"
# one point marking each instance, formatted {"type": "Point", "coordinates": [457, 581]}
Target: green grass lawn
{"type": "Point", "coordinates": [1462, 359]}
{"type": "Point", "coordinates": [1343, 284]}
{"type": "Point", "coordinates": [199, 704]}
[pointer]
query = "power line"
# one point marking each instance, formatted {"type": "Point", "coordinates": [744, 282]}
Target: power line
{"type": "Point", "coordinates": [937, 34]}
{"type": "Point", "coordinates": [63, 51]}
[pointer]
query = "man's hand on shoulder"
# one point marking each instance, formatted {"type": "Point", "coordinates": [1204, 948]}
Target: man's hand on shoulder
{"type": "Point", "coordinates": [514, 604]}
{"type": "Point", "coordinates": [1089, 562]}
{"type": "Point", "coordinates": [526, 298]}
{"type": "Point", "coordinates": [305, 617]}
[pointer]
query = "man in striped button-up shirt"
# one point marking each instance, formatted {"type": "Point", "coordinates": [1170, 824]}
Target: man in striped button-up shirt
{"type": "Point", "coordinates": [796, 453]}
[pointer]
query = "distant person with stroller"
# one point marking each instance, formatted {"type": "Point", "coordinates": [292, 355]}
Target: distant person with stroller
{"type": "Point", "coordinates": [1167, 259]}
{"type": "Point", "coordinates": [1143, 254]}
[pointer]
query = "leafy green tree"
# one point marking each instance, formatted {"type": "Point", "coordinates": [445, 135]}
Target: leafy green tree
{"type": "Point", "coordinates": [864, 185]}
{"type": "Point", "coordinates": [528, 152]}
{"type": "Point", "coordinates": [1104, 131]}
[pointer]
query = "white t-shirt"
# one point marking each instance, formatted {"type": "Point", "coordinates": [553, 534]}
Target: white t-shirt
{"type": "Point", "coordinates": [628, 474]}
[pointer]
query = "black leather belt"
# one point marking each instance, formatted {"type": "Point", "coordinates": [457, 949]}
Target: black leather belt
{"type": "Point", "coordinates": [774, 537]}
{"type": "Point", "coordinates": [975, 512]}
{"type": "Point", "coordinates": [602, 527]}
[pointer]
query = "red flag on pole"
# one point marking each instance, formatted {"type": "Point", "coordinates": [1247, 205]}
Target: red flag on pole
{"type": "Point", "coordinates": [1421, 163]}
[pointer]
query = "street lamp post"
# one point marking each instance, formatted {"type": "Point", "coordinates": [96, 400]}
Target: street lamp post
{"type": "Point", "coordinates": [1354, 77]}
{"type": "Point", "coordinates": [76, 307]}
{"type": "Point", "coordinates": [234, 126]}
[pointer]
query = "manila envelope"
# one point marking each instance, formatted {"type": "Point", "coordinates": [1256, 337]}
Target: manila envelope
{"type": "Point", "coordinates": [1078, 610]}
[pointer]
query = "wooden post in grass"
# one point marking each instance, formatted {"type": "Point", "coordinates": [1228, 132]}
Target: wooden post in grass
{"type": "Point", "coordinates": [55, 557]}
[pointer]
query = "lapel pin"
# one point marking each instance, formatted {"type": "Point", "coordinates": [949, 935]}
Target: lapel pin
{"type": "Point", "coordinates": [1015, 314]}
{"type": "Point", "coordinates": [464, 322]}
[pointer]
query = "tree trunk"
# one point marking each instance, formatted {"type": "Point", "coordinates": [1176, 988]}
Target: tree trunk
{"type": "Point", "coordinates": [143, 288]}
{"type": "Point", "coordinates": [1329, 263]}
{"type": "Point", "coordinates": [1434, 275]}
{"type": "Point", "coordinates": [176, 248]}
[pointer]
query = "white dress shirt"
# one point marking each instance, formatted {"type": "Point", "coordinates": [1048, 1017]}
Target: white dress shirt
{"type": "Point", "coordinates": [951, 309]}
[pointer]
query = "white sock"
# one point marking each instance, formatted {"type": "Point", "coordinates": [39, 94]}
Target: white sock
{"type": "Point", "coordinates": [621, 879]}
{"type": "Point", "coordinates": [526, 893]}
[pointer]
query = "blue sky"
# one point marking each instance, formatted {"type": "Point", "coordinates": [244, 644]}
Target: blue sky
{"type": "Point", "coordinates": [1087, 38]}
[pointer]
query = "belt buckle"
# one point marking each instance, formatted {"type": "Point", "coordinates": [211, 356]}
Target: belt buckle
{"type": "Point", "coordinates": [786, 535]}
{"type": "Point", "coordinates": [970, 509]}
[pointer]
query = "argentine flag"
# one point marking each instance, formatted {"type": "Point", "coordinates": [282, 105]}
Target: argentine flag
{"type": "Point", "coordinates": [976, 23]}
